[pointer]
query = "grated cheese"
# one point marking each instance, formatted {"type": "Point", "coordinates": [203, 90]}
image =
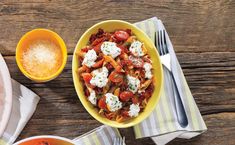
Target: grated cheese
{"type": "Point", "coordinates": [42, 58]}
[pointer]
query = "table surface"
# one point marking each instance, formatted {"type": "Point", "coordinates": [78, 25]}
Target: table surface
{"type": "Point", "coordinates": [203, 35]}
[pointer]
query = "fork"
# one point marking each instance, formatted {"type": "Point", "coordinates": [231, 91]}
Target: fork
{"type": "Point", "coordinates": [119, 141]}
{"type": "Point", "coordinates": [166, 61]}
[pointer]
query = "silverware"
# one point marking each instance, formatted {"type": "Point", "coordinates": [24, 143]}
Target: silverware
{"type": "Point", "coordinates": [119, 141]}
{"type": "Point", "coordinates": [166, 61]}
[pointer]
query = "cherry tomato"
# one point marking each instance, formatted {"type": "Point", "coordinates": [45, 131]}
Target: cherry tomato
{"type": "Point", "coordinates": [121, 35]}
{"type": "Point", "coordinates": [98, 64]}
{"type": "Point", "coordinates": [101, 103]}
{"type": "Point", "coordinates": [126, 96]}
{"type": "Point", "coordinates": [116, 77]}
{"type": "Point", "coordinates": [86, 77]}
{"type": "Point", "coordinates": [136, 61]}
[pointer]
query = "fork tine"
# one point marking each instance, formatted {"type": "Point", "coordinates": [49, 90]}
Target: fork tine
{"type": "Point", "coordinates": [166, 47]}
{"type": "Point", "coordinates": [163, 44]}
{"type": "Point", "coordinates": [161, 48]}
{"type": "Point", "coordinates": [159, 42]}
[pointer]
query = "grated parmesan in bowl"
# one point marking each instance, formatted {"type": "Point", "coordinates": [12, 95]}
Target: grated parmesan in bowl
{"type": "Point", "coordinates": [42, 58]}
{"type": "Point", "coordinates": [41, 55]}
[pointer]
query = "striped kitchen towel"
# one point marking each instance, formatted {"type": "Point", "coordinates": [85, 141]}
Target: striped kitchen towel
{"type": "Point", "coordinates": [162, 125]}
{"type": "Point", "coordinates": [24, 103]}
{"type": "Point", "coordinates": [103, 135]}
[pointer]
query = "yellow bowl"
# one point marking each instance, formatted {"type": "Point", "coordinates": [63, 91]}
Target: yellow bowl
{"type": "Point", "coordinates": [38, 34]}
{"type": "Point", "coordinates": [110, 26]}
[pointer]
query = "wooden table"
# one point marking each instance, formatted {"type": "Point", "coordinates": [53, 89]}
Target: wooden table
{"type": "Point", "coordinates": [203, 34]}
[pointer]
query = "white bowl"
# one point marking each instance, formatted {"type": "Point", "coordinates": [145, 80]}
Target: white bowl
{"type": "Point", "coordinates": [5, 95]}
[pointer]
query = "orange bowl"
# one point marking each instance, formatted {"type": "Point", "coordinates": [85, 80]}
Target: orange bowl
{"type": "Point", "coordinates": [38, 34]}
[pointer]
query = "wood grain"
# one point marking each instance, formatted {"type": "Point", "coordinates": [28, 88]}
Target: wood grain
{"type": "Point", "coordinates": [194, 26]}
{"type": "Point", "coordinates": [204, 40]}
{"type": "Point", "coordinates": [209, 75]}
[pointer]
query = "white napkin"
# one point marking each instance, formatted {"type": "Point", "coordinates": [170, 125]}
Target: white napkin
{"type": "Point", "coordinates": [24, 104]}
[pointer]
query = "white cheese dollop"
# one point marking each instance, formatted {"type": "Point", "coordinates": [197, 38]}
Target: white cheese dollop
{"type": "Point", "coordinates": [113, 102]}
{"type": "Point", "coordinates": [110, 48]}
{"type": "Point", "coordinates": [134, 110]}
{"type": "Point", "coordinates": [89, 58]}
{"type": "Point", "coordinates": [147, 68]}
{"type": "Point", "coordinates": [92, 98]}
{"type": "Point", "coordinates": [136, 48]}
{"type": "Point", "coordinates": [133, 83]}
{"type": "Point", "coordinates": [100, 77]}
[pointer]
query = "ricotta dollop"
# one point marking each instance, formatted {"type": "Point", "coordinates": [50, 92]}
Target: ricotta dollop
{"type": "Point", "coordinates": [110, 48]}
{"type": "Point", "coordinates": [134, 110]}
{"type": "Point", "coordinates": [100, 77]}
{"type": "Point", "coordinates": [113, 102]}
{"type": "Point", "coordinates": [89, 58]}
{"type": "Point", "coordinates": [133, 83]}
{"type": "Point", "coordinates": [147, 68]}
{"type": "Point", "coordinates": [136, 48]}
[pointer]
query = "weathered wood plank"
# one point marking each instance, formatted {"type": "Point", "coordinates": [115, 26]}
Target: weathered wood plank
{"type": "Point", "coordinates": [221, 127]}
{"type": "Point", "coordinates": [221, 130]}
{"type": "Point", "coordinates": [211, 77]}
{"type": "Point", "coordinates": [193, 26]}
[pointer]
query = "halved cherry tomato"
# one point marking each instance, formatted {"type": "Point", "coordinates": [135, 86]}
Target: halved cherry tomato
{"type": "Point", "coordinates": [126, 96]}
{"type": "Point", "coordinates": [98, 64]}
{"type": "Point", "coordinates": [101, 103]}
{"type": "Point", "coordinates": [136, 61]}
{"type": "Point", "coordinates": [86, 77]}
{"type": "Point", "coordinates": [121, 35]}
{"type": "Point", "coordinates": [116, 77]}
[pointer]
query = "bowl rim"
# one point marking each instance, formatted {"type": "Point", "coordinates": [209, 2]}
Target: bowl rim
{"type": "Point", "coordinates": [62, 47]}
{"type": "Point", "coordinates": [44, 136]}
{"type": "Point", "coordinates": [88, 109]}
{"type": "Point", "coordinates": [8, 94]}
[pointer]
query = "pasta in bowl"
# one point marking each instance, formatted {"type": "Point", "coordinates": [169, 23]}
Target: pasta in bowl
{"type": "Point", "coordinates": [117, 73]}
